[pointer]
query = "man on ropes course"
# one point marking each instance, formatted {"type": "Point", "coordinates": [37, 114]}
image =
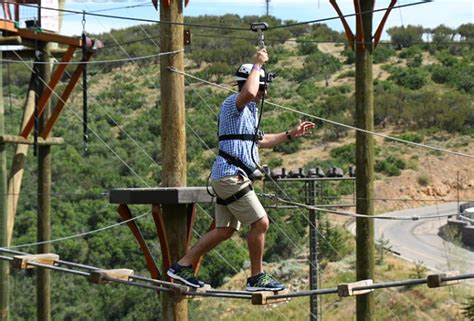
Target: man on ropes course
{"type": "Point", "coordinates": [232, 173]}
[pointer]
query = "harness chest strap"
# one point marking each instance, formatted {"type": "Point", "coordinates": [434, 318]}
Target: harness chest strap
{"type": "Point", "coordinates": [236, 162]}
{"type": "Point", "coordinates": [250, 137]}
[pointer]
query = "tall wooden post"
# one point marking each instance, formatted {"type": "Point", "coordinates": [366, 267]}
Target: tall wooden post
{"type": "Point", "coordinates": [364, 155]}
{"type": "Point", "coordinates": [4, 265]}
{"type": "Point", "coordinates": [173, 142]}
{"type": "Point", "coordinates": [43, 284]}
{"type": "Point", "coordinates": [18, 162]}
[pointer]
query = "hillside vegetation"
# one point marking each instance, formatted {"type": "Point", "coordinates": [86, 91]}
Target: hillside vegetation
{"type": "Point", "coordinates": [423, 93]}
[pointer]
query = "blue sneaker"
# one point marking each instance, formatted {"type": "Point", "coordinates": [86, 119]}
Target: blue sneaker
{"type": "Point", "coordinates": [185, 274]}
{"type": "Point", "coordinates": [263, 282]}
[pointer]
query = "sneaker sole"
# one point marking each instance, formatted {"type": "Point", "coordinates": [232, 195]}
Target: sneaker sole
{"type": "Point", "coordinates": [251, 289]}
{"type": "Point", "coordinates": [177, 277]}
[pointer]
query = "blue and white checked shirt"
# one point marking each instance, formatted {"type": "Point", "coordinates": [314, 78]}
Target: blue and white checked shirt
{"type": "Point", "coordinates": [233, 121]}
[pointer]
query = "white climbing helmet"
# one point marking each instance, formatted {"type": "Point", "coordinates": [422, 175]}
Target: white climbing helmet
{"type": "Point", "coordinates": [244, 71]}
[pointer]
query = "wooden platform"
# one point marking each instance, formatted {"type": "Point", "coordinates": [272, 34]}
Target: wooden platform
{"type": "Point", "coordinates": [9, 29]}
{"type": "Point", "coordinates": [160, 195]}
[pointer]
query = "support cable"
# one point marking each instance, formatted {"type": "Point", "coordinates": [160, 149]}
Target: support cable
{"type": "Point", "coordinates": [129, 59]}
{"type": "Point", "coordinates": [331, 121]}
{"type": "Point", "coordinates": [381, 217]}
{"type": "Point", "coordinates": [79, 234]}
{"type": "Point", "coordinates": [166, 286]}
{"type": "Point", "coordinates": [222, 27]}
{"type": "Point", "coordinates": [350, 15]}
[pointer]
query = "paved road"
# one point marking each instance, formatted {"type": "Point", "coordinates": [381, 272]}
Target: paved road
{"type": "Point", "coordinates": [418, 241]}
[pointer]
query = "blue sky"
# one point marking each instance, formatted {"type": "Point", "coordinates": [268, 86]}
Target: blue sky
{"type": "Point", "coordinates": [449, 12]}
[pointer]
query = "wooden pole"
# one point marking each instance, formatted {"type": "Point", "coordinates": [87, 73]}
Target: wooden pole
{"type": "Point", "coordinates": [4, 265]}
{"type": "Point", "coordinates": [364, 157]}
{"type": "Point", "coordinates": [173, 129]}
{"type": "Point", "coordinates": [173, 143]}
{"type": "Point", "coordinates": [43, 285]}
{"type": "Point", "coordinates": [18, 163]}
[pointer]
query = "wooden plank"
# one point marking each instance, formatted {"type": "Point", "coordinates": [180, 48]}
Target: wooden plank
{"type": "Point", "coordinates": [436, 280]}
{"type": "Point", "coordinates": [50, 37]}
{"type": "Point", "coordinates": [8, 25]}
{"type": "Point", "coordinates": [347, 289]}
{"type": "Point", "coordinates": [105, 276]}
{"type": "Point", "coordinates": [265, 297]}
{"type": "Point", "coordinates": [21, 261]}
{"type": "Point", "coordinates": [190, 289]}
{"type": "Point", "coordinates": [13, 139]}
{"type": "Point", "coordinates": [160, 195]}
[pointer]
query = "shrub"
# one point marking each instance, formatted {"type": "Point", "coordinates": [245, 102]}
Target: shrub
{"type": "Point", "coordinates": [347, 74]}
{"type": "Point", "coordinates": [288, 148]}
{"type": "Point", "coordinates": [411, 78]}
{"type": "Point", "coordinates": [468, 310]}
{"type": "Point", "coordinates": [423, 180]}
{"type": "Point", "coordinates": [275, 162]}
{"type": "Point", "coordinates": [318, 65]}
{"type": "Point", "coordinates": [383, 53]}
{"type": "Point", "coordinates": [345, 153]}
{"type": "Point", "coordinates": [391, 166]}
{"type": "Point", "coordinates": [411, 137]}
{"type": "Point", "coordinates": [410, 52]}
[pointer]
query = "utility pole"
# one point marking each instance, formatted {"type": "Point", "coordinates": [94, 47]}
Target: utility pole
{"type": "Point", "coordinates": [267, 7]}
{"type": "Point", "coordinates": [4, 265]}
{"type": "Point", "coordinates": [43, 282]}
{"type": "Point", "coordinates": [173, 143]}
{"type": "Point", "coordinates": [364, 119]}
{"type": "Point", "coordinates": [313, 250]}
{"type": "Point", "coordinates": [364, 44]}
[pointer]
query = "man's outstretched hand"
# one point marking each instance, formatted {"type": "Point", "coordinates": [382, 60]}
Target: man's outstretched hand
{"type": "Point", "coordinates": [302, 129]}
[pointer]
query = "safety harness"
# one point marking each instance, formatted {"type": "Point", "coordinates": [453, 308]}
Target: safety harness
{"type": "Point", "coordinates": [237, 162]}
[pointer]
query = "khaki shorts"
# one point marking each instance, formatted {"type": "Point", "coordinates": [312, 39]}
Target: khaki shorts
{"type": "Point", "coordinates": [245, 210]}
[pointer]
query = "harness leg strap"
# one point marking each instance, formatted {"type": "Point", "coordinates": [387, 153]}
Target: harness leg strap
{"type": "Point", "coordinates": [235, 196]}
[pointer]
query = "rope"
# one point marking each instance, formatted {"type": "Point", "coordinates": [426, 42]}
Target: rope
{"type": "Point", "coordinates": [167, 286]}
{"type": "Point", "coordinates": [129, 59]}
{"type": "Point", "coordinates": [79, 234]}
{"type": "Point", "coordinates": [381, 217]}
{"type": "Point", "coordinates": [332, 121]}
{"type": "Point", "coordinates": [222, 27]}
{"type": "Point", "coordinates": [349, 15]}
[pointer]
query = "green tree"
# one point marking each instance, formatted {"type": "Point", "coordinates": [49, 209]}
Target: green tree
{"type": "Point", "coordinates": [404, 37]}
